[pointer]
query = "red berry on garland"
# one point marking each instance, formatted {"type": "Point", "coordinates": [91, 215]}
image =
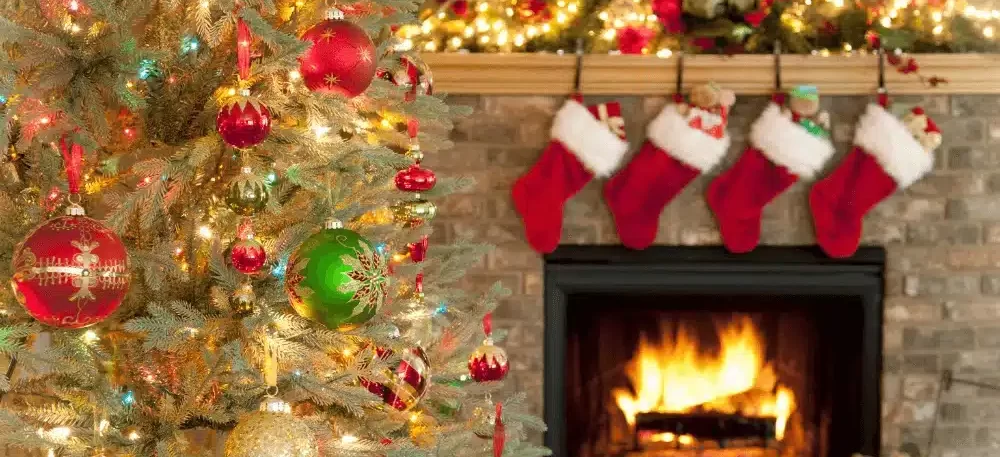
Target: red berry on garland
{"type": "Point", "coordinates": [247, 254]}
{"type": "Point", "coordinates": [244, 121]}
{"type": "Point", "coordinates": [489, 362]}
{"type": "Point", "coordinates": [341, 59]}
{"type": "Point", "coordinates": [71, 271]}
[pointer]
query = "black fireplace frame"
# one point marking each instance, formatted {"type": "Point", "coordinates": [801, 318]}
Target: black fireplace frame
{"type": "Point", "coordinates": [676, 269]}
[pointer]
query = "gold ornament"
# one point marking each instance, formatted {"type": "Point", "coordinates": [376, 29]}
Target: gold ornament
{"type": "Point", "coordinates": [271, 432]}
{"type": "Point", "coordinates": [484, 419]}
{"type": "Point", "coordinates": [414, 211]}
{"type": "Point", "coordinates": [243, 299]}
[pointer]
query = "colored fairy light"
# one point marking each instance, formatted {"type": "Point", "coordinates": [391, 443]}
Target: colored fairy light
{"type": "Point", "coordinates": [279, 269]}
{"type": "Point", "coordinates": [128, 398]}
{"type": "Point", "coordinates": [190, 44]}
{"type": "Point", "coordinates": [147, 69]}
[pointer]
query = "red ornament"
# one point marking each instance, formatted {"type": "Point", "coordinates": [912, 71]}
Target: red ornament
{"type": "Point", "coordinates": [71, 271]}
{"type": "Point", "coordinates": [407, 384]}
{"type": "Point", "coordinates": [412, 74]}
{"type": "Point", "coordinates": [415, 179]}
{"type": "Point", "coordinates": [243, 122]}
{"type": "Point", "coordinates": [669, 13]}
{"type": "Point", "coordinates": [532, 11]}
{"type": "Point", "coordinates": [418, 250]}
{"type": "Point", "coordinates": [488, 363]}
{"type": "Point", "coordinates": [341, 59]}
{"type": "Point", "coordinates": [631, 40]}
{"type": "Point", "coordinates": [248, 256]}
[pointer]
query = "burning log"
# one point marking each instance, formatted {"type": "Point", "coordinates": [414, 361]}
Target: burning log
{"type": "Point", "coordinates": [688, 428]}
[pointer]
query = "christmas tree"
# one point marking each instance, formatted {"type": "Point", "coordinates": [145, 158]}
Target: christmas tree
{"type": "Point", "coordinates": [217, 230]}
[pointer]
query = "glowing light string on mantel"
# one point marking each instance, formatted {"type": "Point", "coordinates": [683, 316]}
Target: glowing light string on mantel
{"type": "Point", "coordinates": [657, 27]}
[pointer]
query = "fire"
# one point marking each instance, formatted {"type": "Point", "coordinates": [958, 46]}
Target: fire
{"type": "Point", "coordinates": [676, 377]}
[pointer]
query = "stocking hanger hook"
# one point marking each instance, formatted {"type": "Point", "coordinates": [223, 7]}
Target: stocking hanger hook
{"type": "Point", "coordinates": [579, 65]}
{"type": "Point", "coordinates": [777, 65]}
{"type": "Point", "coordinates": [678, 90]}
{"type": "Point", "coordinates": [881, 70]}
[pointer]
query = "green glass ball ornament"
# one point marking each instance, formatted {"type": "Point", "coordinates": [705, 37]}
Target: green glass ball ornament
{"type": "Point", "coordinates": [337, 277]}
{"type": "Point", "coordinates": [247, 195]}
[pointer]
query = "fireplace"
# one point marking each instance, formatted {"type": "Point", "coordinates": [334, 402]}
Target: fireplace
{"type": "Point", "coordinates": [677, 351]}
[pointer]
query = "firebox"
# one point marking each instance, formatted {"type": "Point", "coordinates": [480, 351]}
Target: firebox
{"type": "Point", "coordinates": [676, 351]}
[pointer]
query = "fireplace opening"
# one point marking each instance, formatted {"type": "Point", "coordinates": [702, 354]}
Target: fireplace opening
{"type": "Point", "coordinates": [691, 351]}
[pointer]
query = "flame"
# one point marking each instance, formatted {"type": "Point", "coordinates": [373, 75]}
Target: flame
{"type": "Point", "coordinates": [676, 377]}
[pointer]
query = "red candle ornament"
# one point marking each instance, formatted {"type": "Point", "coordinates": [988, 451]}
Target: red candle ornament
{"type": "Point", "coordinates": [341, 59]}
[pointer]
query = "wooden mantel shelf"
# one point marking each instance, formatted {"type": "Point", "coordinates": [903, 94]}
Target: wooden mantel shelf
{"type": "Point", "coordinates": [551, 74]}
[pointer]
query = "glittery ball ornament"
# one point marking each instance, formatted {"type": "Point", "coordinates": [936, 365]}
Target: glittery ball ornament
{"type": "Point", "coordinates": [341, 59]}
{"type": "Point", "coordinates": [247, 195]}
{"type": "Point", "coordinates": [415, 179]}
{"type": "Point", "coordinates": [71, 271]}
{"type": "Point", "coordinates": [248, 256]}
{"type": "Point", "coordinates": [271, 432]}
{"type": "Point", "coordinates": [243, 122]}
{"type": "Point", "coordinates": [337, 277]}
{"type": "Point", "coordinates": [488, 363]}
{"type": "Point", "coordinates": [412, 74]}
{"type": "Point", "coordinates": [407, 384]}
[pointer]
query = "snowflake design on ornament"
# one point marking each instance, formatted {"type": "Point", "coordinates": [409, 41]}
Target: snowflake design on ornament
{"type": "Point", "coordinates": [331, 80]}
{"type": "Point", "coordinates": [328, 35]}
{"type": "Point", "coordinates": [369, 279]}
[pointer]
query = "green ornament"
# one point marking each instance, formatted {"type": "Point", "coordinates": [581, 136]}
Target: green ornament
{"type": "Point", "coordinates": [247, 195]}
{"type": "Point", "coordinates": [336, 277]}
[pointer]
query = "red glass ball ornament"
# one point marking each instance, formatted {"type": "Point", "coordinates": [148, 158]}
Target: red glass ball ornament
{"type": "Point", "coordinates": [407, 384]}
{"type": "Point", "coordinates": [243, 122]}
{"type": "Point", "coordinates": [533, 11]}
{"type": "Point", "coordinates": [341, 59]}
{"type": "Point", "coordinates": [418, 250]}
{"type": "Point", "coordinates": [412, 74]}
{"type": "Point", "coordinates": [415, 179]}
{"type": "Point", "coordinates": [488, 363]}
{"type": "Point", "coordinates": [71, 271]}
{"type": "Point", "coordinates": [248, 256]}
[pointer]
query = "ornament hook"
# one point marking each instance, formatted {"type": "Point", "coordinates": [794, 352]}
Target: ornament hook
{"type": "Point", "coordinates": [777, 65]}
{"type": "Point", "coordinates": [577, 76]}
{"type": "Point", "coordinates": [882, 92]}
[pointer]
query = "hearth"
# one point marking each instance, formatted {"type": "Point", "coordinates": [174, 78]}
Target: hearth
{"type": "Point", "coordinates": [676, 351]}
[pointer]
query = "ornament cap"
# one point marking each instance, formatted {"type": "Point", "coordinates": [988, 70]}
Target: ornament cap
{"type": "Point", "coordinates": [75, 209]}
{"type": "Point", "coordinates": [333, 223]}
{"type": "Point", "coordinates": [334, 13]}
{"type": "Point", "coordinates": [246, 169]}
{"type": "Point", "coordinates": [275, 405]}
{"type": "Point", "coordinates": [244, 92]}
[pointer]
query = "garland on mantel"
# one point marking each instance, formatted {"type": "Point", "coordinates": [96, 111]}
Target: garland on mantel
{"type": "Point", "coordinates": [662, 27]}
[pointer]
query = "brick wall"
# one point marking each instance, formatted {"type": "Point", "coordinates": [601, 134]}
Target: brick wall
{"type": "Point", "coordinates": [942, 308]}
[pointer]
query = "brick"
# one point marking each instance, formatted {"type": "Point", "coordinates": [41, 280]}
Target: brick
{"type": "Point", "coordinates": [958, 338]}
{"type": "Point", "coordinates": [972, 158]}
{"type": "Point", "coordinates": [945, 285]}
{"type": "Point", "coordinates": [954, 412]}
{"type": "Point", "coordinates": [988, 437]}
{"type": "Point", "coordinates": [988, 337]}
{"type": "Point", "coordinates": [974, 310]}
{"type": "Point", "coordinates": [974, 105]}
{"type": "Point", "coordinates": [952, 436]}
{"type": "Point", "coordinates": [975, 208]}
{"type": "Point", "coordinates": [964, 131]}
{"type": "Point", "coordinates": [974, 362]}
{"type": "Point", "coordinates": [952, 184]}
{"type": "Point", "coordinates": [517, 157]}
{"type": "Point", "coordinates": [513, 256]}
{"type": "Point", "coordinates": [920, 363]}
{"type": "Point", "coordinates": [903, 208]}
{"type": "Point", "coordinates": [917, 338]}
{"type": "Point", "coordinates": [463, 157]}
{"type": "Point", "coordinates": [991, 284]}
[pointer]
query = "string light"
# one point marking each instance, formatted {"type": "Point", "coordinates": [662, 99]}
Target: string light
{"type": "Point", "coordinates": [90, 337]}
{"type": "Point", "coordinates": [348, 439]}
{"type": "Point", "coordinates": [205, 232]}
